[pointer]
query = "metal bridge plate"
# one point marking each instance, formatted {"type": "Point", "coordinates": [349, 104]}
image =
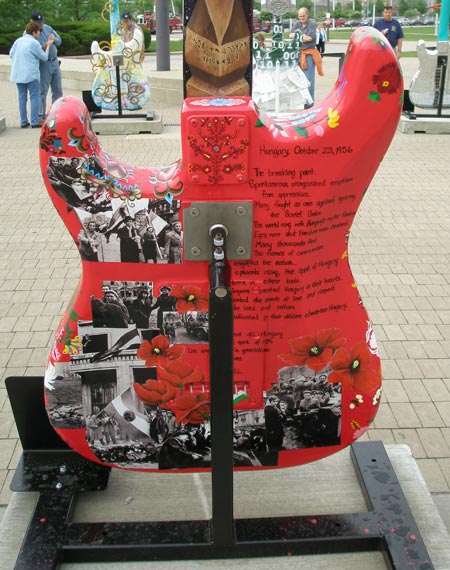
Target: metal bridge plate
{"type": "Point", "coordinates": [199, 217]}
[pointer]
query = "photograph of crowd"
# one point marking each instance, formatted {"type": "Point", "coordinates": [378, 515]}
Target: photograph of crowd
{"type": "Point", "coordinates": [148, 232]}
{"type": "Point", "coordinates": [135, 305]}
{"type": "Point", "coordinates": [78, 181]}
{"type": "Point", "coordinates": [133, 231]}
{"type": "Point", "coordinates": [302, 410]}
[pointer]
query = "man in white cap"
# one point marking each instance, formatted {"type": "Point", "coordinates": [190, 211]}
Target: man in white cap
{"type": "Point", "coordinates": [50, 71]}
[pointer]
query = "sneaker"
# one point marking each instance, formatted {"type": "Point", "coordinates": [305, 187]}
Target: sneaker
{"type": "Point", "coordinates": [25, 126]}
{"type": "Point", "coordinates": [35, 126]}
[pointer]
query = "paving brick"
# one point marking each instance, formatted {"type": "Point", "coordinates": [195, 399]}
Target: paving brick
{"type": "Point", "coordinates": [393, 391]}
{"type": "Point", "coordinates": [432, 473]}
{"type": "Point", "coordinates": [385, 418]}
{"type": "Point", "coordinates": [430, 368]}
{"type": "Point", "coordinates": [411, 438]}
{"type": "Point", "coordinates": [7, 447]}
{"type": "Point", "coordinates": [406, 416]}
{"type": "Point", "coordinates": [428, 414]}
{"type": "Point", "coordinates": [434, 442]}
{"type": "Point", "coordinates": [416, 391]}
{"type": "Point", "coordinates": [444, 411]}
{"type": "Point", "coordinates": [437, 390]}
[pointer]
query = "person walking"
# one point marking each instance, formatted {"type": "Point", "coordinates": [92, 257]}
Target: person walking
{"type": "Point", "coordinates": [50, 70]}
{"type": "Point", "coordinates": [26, 54]}
{"type": "Point", "coordinates": [309, 56]}
{"type": "Point", "coordinates": [391, 29]}
{"type": "Point", "coordinates": [321, 38]}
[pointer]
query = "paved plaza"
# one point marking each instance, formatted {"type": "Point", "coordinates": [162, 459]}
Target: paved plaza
{"type": "Point", "coordinates": [399, 254]}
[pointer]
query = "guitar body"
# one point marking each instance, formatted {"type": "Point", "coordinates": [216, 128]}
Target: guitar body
{"type": "Point", "coordinates": [424, 89]}
{"type": "Point", "coordinates": [127, 381]}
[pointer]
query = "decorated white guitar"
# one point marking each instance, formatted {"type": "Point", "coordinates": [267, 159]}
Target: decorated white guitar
{"type": "Point", "coordinates": [127, 381]}
{"type": "Point", "coordinates": [129, 44]}
{"type": "Point", "coordinates": [434, 68]}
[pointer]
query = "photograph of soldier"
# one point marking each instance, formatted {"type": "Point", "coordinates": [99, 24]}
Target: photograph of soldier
{"type": "Point", "coordinates": [164, 303]}
{"type": "Point", "coordinates": [89, 240]}
{"type": "Point", "coordinates": [69, 180]}
{"type": "Point", "coordinates": [109, 311]}
{"type": "Point", "coordinates": [130, 241]}
{"type": "Point", "coordinates": [173, 243]}
{"type": "Point", "coordinates": [140, 309]}
{"type": "Point", "coordinates": [149, 240]}
{"type": "Point", "coordinates": [274, 419]}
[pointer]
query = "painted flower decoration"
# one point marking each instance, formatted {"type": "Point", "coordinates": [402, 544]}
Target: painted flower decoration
{"type": "Point", "coordinates": [180, 373]}
{"type": "Point", "coordinates": [73, 346]}
{"type": "Point", "coordinates": [190, 298]}
{"type": "Point", "coordinates": [158, 351]}
{"type": "Point", "coordinates": [353, 368]}
{"type": "Point", "coordinates": [155, 392]}
{"type": "Point", "coordinates": [314, 351]}
{"type": "Point", "coordinates": [192, 408]}
{"type": "Point", "coordinates": [387, 78]}
{"type": "Point", "coordinates": [333, 118]}
{"type": "Point", "coordinates": [166, 181]}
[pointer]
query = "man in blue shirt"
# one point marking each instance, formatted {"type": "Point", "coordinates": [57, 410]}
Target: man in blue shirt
{"type": "Point", "coordinates": [50, 71]}
{"type": "Point", "coordinates": [308, 49]}
{"type": "Point", "coordinates": [391, 29]}
{"type": "Point", "coordinates": [26, 54]}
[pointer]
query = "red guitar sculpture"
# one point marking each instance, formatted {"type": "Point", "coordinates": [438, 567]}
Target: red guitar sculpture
{"type": "Point", "coordinates": [127, 379]}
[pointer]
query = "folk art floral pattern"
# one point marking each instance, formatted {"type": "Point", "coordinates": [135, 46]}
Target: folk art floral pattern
{"type": "Point", "coordinates": [127, 381]}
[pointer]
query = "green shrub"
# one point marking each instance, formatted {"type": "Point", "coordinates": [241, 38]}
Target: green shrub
{"type": "Point", "coordinates": [70, 45]}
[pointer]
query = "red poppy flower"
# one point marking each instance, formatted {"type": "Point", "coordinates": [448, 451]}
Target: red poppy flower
{"type": "Point", "coordinates": [179, 373]}
{"type": "Point", "coordinates": [354, 368]}
{"type": "Point", "coordinates": [155, 392]}
{"type": "Point", "coordinates": [387, 78]}
{"type": "Point", "coordinates": [157, 352]}
{"type": "Point", "coordinates": [314, 351]}
{"type": "Point", "coordinates": [190, 298]}
{"type": "Point", "coordinates": [192, 408]}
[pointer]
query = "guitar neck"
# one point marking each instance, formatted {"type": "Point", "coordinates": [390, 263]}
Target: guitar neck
{"type": "Point", "coordinates": [114, 21]}
{"type": "Point", "coordinates": [443, 21]}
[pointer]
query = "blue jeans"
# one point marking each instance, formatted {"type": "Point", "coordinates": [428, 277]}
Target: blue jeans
{"type": "Point", "coordinates": [310, 73]}
{"type": "Point", "coordinates": [33, 88]}
{"type": "Point", "coordinates": [50, 77]}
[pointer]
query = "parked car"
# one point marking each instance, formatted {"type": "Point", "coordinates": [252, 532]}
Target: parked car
{"type": "Point", "coordinates": [352, 23]}
{"type": "Point", "coordinates": [339, 22]}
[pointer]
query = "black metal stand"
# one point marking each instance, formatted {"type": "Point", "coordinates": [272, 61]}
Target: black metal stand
{"type": "Point", "coordinates": [59, 475]}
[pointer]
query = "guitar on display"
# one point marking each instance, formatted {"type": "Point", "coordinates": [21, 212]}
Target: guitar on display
{"type": "Point", "coordinates": [127, 43]}
{"type": "Point", "coordinates": [433, 75]}
{"type": "Point", "coordinates": [127, 381]}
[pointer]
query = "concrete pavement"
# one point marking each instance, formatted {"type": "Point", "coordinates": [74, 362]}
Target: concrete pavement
{"type": "Point", "coordinates": [399, 253]}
